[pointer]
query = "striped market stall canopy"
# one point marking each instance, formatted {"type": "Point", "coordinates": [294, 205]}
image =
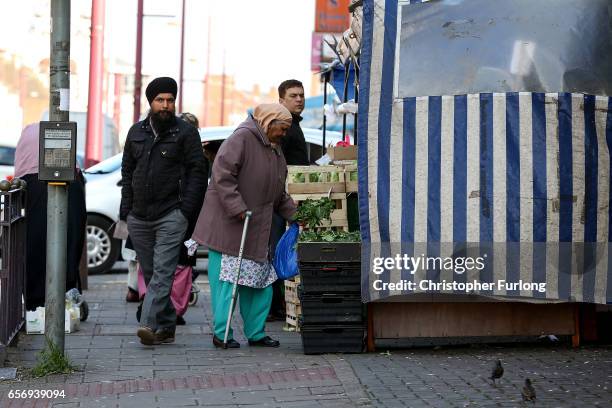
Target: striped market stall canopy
{"type": "Point", "coordinates": [502, 190]}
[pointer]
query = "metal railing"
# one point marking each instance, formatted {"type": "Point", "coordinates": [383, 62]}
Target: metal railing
{"type": "Point", "coordinates": [12, 263]}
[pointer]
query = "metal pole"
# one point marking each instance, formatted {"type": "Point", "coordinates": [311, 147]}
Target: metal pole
{"type": "Point", "coordinates": [235, 287]}
{"type": "Point", "coordinates": [23, 89]}
{"type": "Point", "coordinates": [347, 70]}
{"type": "Point", "coordinates": [207, 76]}
{"type": "Point", "coordinates": [138, 64]}
{"type": "Point", "coordinates": [325, 81]}
{"type": "Point", "coordinates": [223, 93]}
{"type": "Point", "coordinates": [93, 150]}
{"type": "Point", "coordinates": [180, 95]}
{"type": "Point", "coordinates": [118, 90]}
{"type": "Point", "coordinates": [57, 204]}
{"type": "Point", "coordinates": [357, 102]}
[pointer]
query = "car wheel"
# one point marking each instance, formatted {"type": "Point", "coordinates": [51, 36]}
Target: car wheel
{"type": "Point", "coordinates": [102, 248]}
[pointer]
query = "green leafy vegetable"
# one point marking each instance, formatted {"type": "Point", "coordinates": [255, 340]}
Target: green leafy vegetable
{"type": "Point", "coordinates": [314, 177]}
{"type": "Point", "coordinates": [311, 213]}
{"type": "Point", "coordinates": [299, 178]}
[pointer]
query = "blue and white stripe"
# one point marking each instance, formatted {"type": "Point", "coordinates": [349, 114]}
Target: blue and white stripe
{"type": "Point", "coordinates": [527, 171]}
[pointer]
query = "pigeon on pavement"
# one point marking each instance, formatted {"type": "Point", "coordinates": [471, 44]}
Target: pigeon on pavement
{"type": "Point", "coordinates": [528, 391]}
{"type": "Point", "coordinates": [498, 371]}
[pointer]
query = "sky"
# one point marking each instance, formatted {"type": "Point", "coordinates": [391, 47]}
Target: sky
{"type": "Point", "coordinates": [260, 42]}
{"type": "Point", "coordinates": [264, 41]}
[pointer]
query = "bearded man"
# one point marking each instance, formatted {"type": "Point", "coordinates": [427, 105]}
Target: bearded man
{"type": "Point", "coordinates": [163, 185]}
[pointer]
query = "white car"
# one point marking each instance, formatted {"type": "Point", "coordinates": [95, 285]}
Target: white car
{"type": "Point", "coordinates": [103, 196]}
{"type": "Point", "coordinates": [7, 161]}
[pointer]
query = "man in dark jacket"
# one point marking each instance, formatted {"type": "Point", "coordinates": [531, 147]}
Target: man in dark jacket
{"type": "Point", "coordinates": [163, 186]}
{"type": "Point", "coordinates": [291, 96]}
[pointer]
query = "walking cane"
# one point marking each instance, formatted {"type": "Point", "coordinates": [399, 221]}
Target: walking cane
{"type": "Point", "coordinates": [235, 288]}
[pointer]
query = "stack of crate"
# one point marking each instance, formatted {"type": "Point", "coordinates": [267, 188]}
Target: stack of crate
{"type": "Point", "coordinates": [333, 303]}
{"type": "Point", "coordinates": [332, 319]}
{"type": "Point", "coordinates": [315, 182]}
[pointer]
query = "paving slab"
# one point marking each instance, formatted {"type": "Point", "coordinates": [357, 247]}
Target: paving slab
{"type": "Point", "coordinates": [115, 370]}
{"type": "Point", "coordinates": [9, 373]}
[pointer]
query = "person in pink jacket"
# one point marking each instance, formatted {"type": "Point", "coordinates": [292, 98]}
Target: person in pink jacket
{"type": "Point", "coordinates": [248, 173]}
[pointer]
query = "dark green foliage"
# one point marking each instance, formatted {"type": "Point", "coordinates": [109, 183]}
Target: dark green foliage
{"type": "Point", "coordinates": [311, 214]}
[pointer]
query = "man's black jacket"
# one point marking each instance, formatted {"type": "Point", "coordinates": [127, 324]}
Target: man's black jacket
{"type": "Point", "coordinates": [294, 144]}
{"type": "Point", "coordinates": [159, 175]}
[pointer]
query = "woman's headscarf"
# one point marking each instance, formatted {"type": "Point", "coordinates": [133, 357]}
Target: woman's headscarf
{"type": "Point", "coordinates": [26, 153]}
{"type": "Point", "coordinates": [265, 113]}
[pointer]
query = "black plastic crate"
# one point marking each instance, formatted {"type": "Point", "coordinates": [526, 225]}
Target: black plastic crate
{"type": "Point", "coordinates": [330, 278]}
{"type": "Point", "coordinates": [329, 252]}
{"type": "Point", "coordinates": [331, 308]}
{"type": "Point", "coordinates": [318, 339]}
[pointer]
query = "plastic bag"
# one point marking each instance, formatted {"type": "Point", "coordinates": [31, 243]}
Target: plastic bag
{"type": "Point", "coordinates": [74, 296]}
{"type": "Point", "coordinates": [285, 257]}
{"type": "Point", "coordinates": [181, 287]}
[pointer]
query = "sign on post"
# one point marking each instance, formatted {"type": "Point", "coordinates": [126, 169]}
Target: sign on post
{"type": "Point", "coordinates": [332, 16]}
{"type": "Point", "coordinates": [57, 151]}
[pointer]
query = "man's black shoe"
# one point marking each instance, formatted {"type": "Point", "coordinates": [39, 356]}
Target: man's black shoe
{"type": "Point", "coordinates": [231, 343]}
{"type": "Point", "coordinates": [265, 342]}
{"type": "Point", "coordinates": [180, 321]}
{"type": "Point", "coordinates": [165, 336]}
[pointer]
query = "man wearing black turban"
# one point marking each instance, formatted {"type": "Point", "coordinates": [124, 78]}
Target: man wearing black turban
{"type": "Point", "coordinates": [159, 91]}
{"type": "Point", "coordinates": [163, 185]}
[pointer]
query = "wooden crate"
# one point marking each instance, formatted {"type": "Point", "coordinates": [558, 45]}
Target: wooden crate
{"type": "Point", "coordinates": [291, 295]}
{"type": "Point", "coordinates": [315, 179]}
{"type": "Point", "coordinates": [293, 309]}
{"type": "Point", "coordinates": [342, 153]}
{"type": "Point", "coordinates": [339, 216]}
{"type": "Point", "coordinates": [293, 312]}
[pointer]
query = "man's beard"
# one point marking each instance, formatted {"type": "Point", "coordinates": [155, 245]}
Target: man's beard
{"type": "Point", "coordinates": [162, 122]}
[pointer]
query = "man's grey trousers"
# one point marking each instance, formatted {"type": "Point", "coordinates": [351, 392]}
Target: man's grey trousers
{"type": "Point", "coordinates": [157, 244]}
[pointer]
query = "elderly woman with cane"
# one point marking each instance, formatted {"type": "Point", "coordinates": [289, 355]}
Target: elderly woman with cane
{"type": "Point", "coordinates": [248, 174]}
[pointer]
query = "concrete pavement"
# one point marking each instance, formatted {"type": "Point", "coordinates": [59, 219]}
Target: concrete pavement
{"type": "Point", "coordinates": [117, 371]}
